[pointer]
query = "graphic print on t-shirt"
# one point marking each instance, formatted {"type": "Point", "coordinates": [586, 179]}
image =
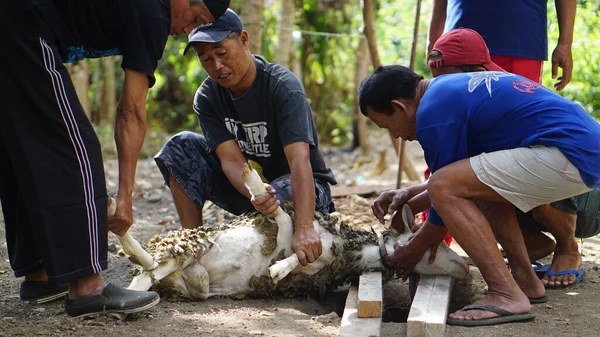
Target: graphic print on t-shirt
{"type": "Point", "coordinates": [487, 77]}
{"type": "Point", "coordinates": [251, 138]}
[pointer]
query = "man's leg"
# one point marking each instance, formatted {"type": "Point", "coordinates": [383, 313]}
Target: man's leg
{"type": "Point", "coordinates": [503, 221]}
{"type": "Point", "coordinates": [452, 190]}
{"type": "Point", "coordinates": [566, 254]}
{"type": "Point", "coordinates": [194, 176]}
{"type": "Point", "coordinates": [189, 213]}
{"type": "Point", "coordinates": [57, 164]}
{"type": "Point", "coordinates": [539, 245]}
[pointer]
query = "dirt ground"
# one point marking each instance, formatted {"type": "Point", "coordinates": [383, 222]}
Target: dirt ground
{"type": "Point", "coordinates": [570, 312]}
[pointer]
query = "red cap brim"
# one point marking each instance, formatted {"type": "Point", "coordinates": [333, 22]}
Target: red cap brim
{"type": "Point", "coordinates": [491, 66]}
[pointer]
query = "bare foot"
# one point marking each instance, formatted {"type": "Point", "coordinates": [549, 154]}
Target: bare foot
{"type": "Point", "coordinates": [519, 304]}
{"type": "Point", "coordinates": [529, 283]}
{"type": "Point", "coordinates": [563, 261]}
{"type": "Point", "coordinates": [86, 287]}
{"type": "Point", "coordinates": [39, 275]}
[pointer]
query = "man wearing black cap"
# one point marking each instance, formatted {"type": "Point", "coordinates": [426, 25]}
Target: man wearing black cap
{"type": "Point", "coordinates": [249, 110]}
{"type": "Point", "coordinates": [51, 175]}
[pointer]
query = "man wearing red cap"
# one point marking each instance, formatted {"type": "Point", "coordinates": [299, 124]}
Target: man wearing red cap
{"type": "Point", "coordinates": [515, 32]}
{"type": "Point", "coordinates": [494, 141]}
{"type": "Point", "coordinates": [463, 50]}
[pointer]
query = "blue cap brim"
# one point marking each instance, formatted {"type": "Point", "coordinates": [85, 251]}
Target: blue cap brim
{"type": "Point", "coordinates": [206, 37]}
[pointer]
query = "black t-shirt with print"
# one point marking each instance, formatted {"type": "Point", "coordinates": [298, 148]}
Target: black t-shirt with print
{"type": "Point", "coordinates": [136, 29]}
{"type": "Point", "coordinates": [273, 113]}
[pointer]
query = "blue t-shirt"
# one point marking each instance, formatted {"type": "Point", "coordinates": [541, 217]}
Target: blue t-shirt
{"type": "Point", "coordinates": [463, 115]}
{"type": "Point", "coordinates": [515, 28]}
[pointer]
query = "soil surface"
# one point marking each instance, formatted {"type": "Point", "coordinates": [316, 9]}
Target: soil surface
{"type": "Point", "coordinates": [570, 312]}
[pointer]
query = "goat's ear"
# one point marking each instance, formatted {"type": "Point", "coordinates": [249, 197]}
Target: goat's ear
{"type": "Point", "coordinates": [408, 218]}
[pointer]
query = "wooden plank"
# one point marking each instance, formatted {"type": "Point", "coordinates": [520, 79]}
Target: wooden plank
{"type": "Point", "coordinates": [341, 191]}
{"type": "Point", "coordinates": [370, 295]}
{"type": "Point", "coordinates": [352, 326]}
{"type": "Point", "coordinates": [435, 324]}
{"type": "Point", "coordinates": [429, 310]}
{"type": "Point", "coordinates": [415, 324]}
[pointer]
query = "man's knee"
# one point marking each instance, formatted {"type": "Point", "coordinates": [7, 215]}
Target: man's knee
{"type": "Point", "coordinates": [186, 136]}
{"type": "Point", "coordinates": [439, 186]}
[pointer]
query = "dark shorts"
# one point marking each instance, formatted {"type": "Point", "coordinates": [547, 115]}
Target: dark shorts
{"type": "Point", "coordinates": [586, 206]}
{"type": "Point", "coordinates": [187, 158]}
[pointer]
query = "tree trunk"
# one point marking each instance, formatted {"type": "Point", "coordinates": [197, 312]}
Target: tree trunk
{"type": "Point", "coordinates": [404, 164]}
{"type": "Point", "coordinates": [108, 101]}
{"type": "Point", "coordinates": [81, 80]}
{"type": "Point", "coordinates": [285, 34]}
{"type": "Point", "coordinates": [369, 19]}
{"type": "Point", "coordinates": [251, 15]}
{"type": "Point", "coordinates": [359, 122]}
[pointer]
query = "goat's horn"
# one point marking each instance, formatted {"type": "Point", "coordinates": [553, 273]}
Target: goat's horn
{"type": "Point", "coordinates": [131, 246]}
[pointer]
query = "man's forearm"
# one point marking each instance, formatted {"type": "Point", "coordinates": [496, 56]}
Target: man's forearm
{"type": "Point", "coordinates": [430, 234]}
{"type": "Point", "coordinates": [437, 23]}
{"type": "Point", "coordinates": [233, 172]}
{"type": "Point", "coordinates": [565, 12]}
{"type": "Point", "coordinates": [130, 130]}
{"type": "Point", "coordinates": [303, 193]}
{"type": "Point", "coordinates": [420, 202]}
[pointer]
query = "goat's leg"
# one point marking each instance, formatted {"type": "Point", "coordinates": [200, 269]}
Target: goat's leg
{"type": "Point", "coordinates": [147, 278]}
{"type": "Point", "coordinates": [256, 187]}
{"type": "Point", "coordinates": [282, 268]}
{"type": "Point", "coordinates": [130, 245]}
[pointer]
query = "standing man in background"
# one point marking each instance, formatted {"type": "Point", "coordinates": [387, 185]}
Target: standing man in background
{"type": "Point", "coordinates": [515, 31]}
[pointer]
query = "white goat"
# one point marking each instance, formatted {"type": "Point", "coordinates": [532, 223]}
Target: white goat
{"type": "Point", "coordinates": [252, 255]}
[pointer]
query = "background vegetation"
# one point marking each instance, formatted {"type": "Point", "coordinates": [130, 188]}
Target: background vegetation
{"type": "Point", "coordinates": [325, 41]}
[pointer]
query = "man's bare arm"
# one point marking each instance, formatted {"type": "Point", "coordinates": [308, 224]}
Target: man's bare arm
{"type": "Point", "coordinates": [562, 57]}
{"type": "Point", "coordinates": [130, 130]}
{"type": "Point", "coordinates": [306, 243]}
{"type": "Point", "coordinates": [437, 23]}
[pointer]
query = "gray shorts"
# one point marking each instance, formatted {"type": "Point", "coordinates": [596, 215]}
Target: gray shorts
{"type": "Point", "coordinates": [585, 206]}
{"type": "Point", "coordinates": [186, 157]}
{"type": "Point", "coordinates": [529, 176]}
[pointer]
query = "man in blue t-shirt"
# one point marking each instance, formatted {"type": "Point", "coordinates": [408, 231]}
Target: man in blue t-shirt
{"type": "Point", "coordinates": [494, 141]}
{"type": "Point", "coordinates": [463, 50]}
{"type": "Point", "coordinates": [514, 30]}
{"type": "Point", "coordinates": [249, 110]}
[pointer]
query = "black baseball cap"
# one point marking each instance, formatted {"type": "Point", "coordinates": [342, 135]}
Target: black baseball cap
{"type": "Point", "coordinates": [216, 7]}
{"type": "Point", "coordinates": [217, 31]}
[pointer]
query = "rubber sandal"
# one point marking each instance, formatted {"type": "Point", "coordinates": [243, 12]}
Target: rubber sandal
{"type": "Point", "coordinates": [505, 316]}
{"type": "Point", "coordinates": [578, 276]}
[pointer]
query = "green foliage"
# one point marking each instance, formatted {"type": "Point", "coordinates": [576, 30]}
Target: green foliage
{"type": "Point", "coordinates": [325, 57]}
{"type": "Point", "coordinates": [585, 84]}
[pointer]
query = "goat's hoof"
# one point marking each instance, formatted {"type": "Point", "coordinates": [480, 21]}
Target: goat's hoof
{"type": "Point", "coordinates": [277, 273]}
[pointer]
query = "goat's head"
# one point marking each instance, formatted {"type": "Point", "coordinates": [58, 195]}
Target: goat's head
{"type": "Point", "coordinates": [447, 262]}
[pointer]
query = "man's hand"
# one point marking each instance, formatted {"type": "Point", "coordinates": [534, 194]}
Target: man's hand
{"type": "Point", "coordinates": [389, 202]}
{"type": "Point", "coordinates": [406, 255]}
{"type": "Point", "coordinates": [123, 218]}
{"type": "Point", "coordinates": [307, 245]}
{"type": "Point", "coordinates": [562, 58]}
{"type": "Point", "coordinates": [267, 204]}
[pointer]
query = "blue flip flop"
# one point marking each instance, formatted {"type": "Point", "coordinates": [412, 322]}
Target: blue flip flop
{"type": "Point", "coordinates": [578, 275]}
{"type": "Point", "coordinates": [540, 269]}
